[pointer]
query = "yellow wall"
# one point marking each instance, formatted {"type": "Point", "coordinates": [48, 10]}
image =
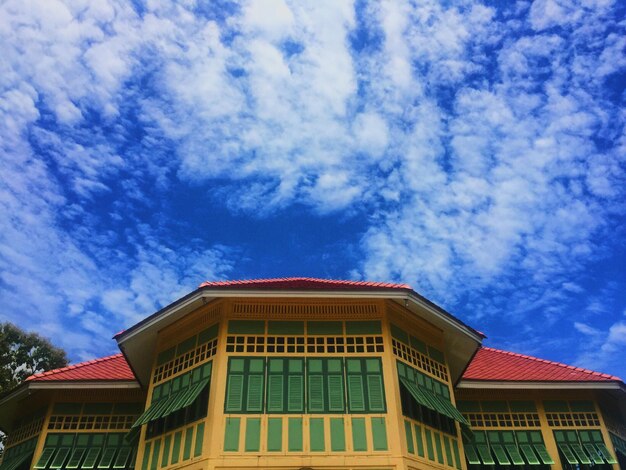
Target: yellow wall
{"type": "Point", "coordinates": [213, 454]}
{"type": "Point", "coordinates": [547, 426]}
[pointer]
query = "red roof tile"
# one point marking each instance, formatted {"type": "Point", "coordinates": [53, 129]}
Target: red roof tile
{"type": "Point", "coordinates": [491, 364]}
{"type": "Point", "coordinates": [305, 283]}
{"type": "Point", "coordinates": [111, 368]}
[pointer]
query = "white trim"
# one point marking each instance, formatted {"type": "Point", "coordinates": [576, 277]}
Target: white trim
{"type": "Point", "coordinates": [499, 385]}
{"type": "Point", "coordinates": [297, 294]}
{"type": "Point", "coordinates": [82, 385]}
{"type": "Point", "coordinates": [26, 387]}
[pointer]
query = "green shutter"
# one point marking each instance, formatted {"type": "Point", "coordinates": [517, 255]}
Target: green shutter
{"type": "Point", "coordinates": [296, 394]}
{"type": "Point", "coordinates": [253, 434]}
{"type": "Point", "coordinates": [543, 453]}
{"type": "Point", "coordinates": [188, 443]}
{"type": "Point", "coordinates": [231, 435]}
{"type": "Point", "coordinates": [448, 450]}
{"type": "Point", "coordinates": [604, 451]}
{"type": "Point", "coordinates": [501, 456]}
{"type": "Point", "coordinates": [568, 454]}
{"type": "Point", "coordinates": [106, 461]}
{"type": "Point", "coordinates": [316, 394]}
{"type": "Point", "coordinates": [438, 448]}
{"type": "Point", "coordinates": [122, 457]}
{"type": "Point", "coordinates": [176, 447]}
{"type": "Point", "coordinates": [234, 394]}
{"type": "Point", "coordinates": [275, 398]}
{"type": "Point", "coordinates": [337, 435]}
{"type": "Point", "coordinates": [255, 393]}
{"type": "Point", "coordinates": [581, 454]}
{"type": "Point", "coordinates": [375, 393]}
{"type": "Point", "coordinates": [471, 454]}
{"type": "Point", "coordinates": [60, 457]}
{"type": "Point", "coordinates": [408, 431]}
{"type": "Point", "coordinates": [316, 434]}
{"type": "Point", "coordinates": [418, 440]}
{"type": "Point", "coordinates": [295, 435]}
{"type": "Point", "coordinates": [530, 455]}
{"type": "Point", "coordinates": [155, 455]}
{"type": "Point", "coordinates": [274, 434]}
{"type": "Point", "coordinates": [379, 433]}
{"type": "Point", "coordinates": [165, 455]}
{"type": "Point", "coordinates": [356, 395]}
{"type": "Point", "coordinates": [45, 458]}
{"type": "Point", "coordinates": [429, 444]}
{"type": "Point", "coordinates": [197, 450]}
{"type": "Point", "coordinates": [75, 458]}
{"type": "Point", "coordinates": [92, 456]}
{"type": "Point", "coordinates": [485, 454]}
{"type": "Point", "coordinates": [514, 453]}
{"type": "Point", "coordinates": [146, 456]}
{"type": "Point", "coordinates": [594, 453]}
{"type": "Point", "coordinates": [457, 454]}
{"type": "Point", "coordinates": [359, 440]}
{"type": "Point", "coordinates": [335, 393]}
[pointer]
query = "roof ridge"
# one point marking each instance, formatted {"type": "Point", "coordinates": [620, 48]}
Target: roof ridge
{"type": "Point", "coordinates": [555, 363]}
{"type": "Point", "coordinates": [235, 282]}
{"type": "Point", "coordinates": [72, 367]}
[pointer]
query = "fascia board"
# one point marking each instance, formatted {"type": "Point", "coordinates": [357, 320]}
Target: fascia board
{"type": "Point", "coordinates": [82, 385]}
{"type": "Point", "coordinates": [501, 385]}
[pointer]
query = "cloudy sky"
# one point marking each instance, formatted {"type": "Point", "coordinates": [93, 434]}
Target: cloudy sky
{"type": "Point", "coordinates": [476, 151]}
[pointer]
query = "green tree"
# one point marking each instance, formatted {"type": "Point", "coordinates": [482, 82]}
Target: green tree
{"type": "Point", "coordinates": [23, 354]}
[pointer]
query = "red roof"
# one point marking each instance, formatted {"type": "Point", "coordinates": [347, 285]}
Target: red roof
{"type": "Point", "coordinates": [305, 283]}
{"type": "Point", "coordinates": [491, 364]}
{"type": "Point", "coordinates": [111, 368]}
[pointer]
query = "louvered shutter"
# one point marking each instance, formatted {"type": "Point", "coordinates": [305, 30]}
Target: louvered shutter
{"type": "Point", "coordinates": [316, 393]}
{"type": "Point", "coordinates": [335, 393]}
{"type": "Point", "coordinates": [234, 393]}
{"type": "Point", "coordinates": [375, 393]}
{"type": "Point", "coordinates": [356, 395]}
{"type": "Point", "coordinates": [275, 393]}
{"type": "Point", "coordinates": [296, 394]}
{"type": "Point", "coordinates": [255, 393]}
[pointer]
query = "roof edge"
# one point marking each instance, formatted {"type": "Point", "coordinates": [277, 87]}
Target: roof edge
{"type": "Point", "coordinates": [339, 283]}
{"type": "Point", "coordinates": [602, 375]}
{"type": "Point", "coordinates": [517, 384]}
{"type": "Point", "coordinates": [79, 365]}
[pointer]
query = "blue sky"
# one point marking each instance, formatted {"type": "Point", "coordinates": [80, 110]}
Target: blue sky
{"type": "Point", "coordinates": [476, 151]}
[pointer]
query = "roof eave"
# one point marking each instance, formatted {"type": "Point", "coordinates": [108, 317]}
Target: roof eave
{"type": "Point", "coordinates": [84, 384]}
{"type": "Point", "coordinates": [217, 292]}
{"type": "Point", "coordinates": [560, 385]}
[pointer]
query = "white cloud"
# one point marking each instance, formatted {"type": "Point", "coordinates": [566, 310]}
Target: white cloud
{"type": "Point", "coordinates": [602, 349]}
{"type": "Point", "coordinates": [483, 147]}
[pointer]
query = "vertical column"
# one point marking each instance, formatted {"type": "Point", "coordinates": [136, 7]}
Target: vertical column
{"type": "Point", "coordinates": [395, 420]}
{"type": "Point", "coordinates": [41, 440]}
{"type": "Point", "coordinates": [548, 436]}
{"type": "Point", "coordinates": [215, 429]}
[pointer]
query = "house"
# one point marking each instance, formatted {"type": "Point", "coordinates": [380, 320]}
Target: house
{"type": "Point", "coordinates": [301, 373]}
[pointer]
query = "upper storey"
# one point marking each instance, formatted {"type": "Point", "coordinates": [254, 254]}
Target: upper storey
{"type": "Point", "coordinates": [460, 340]}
